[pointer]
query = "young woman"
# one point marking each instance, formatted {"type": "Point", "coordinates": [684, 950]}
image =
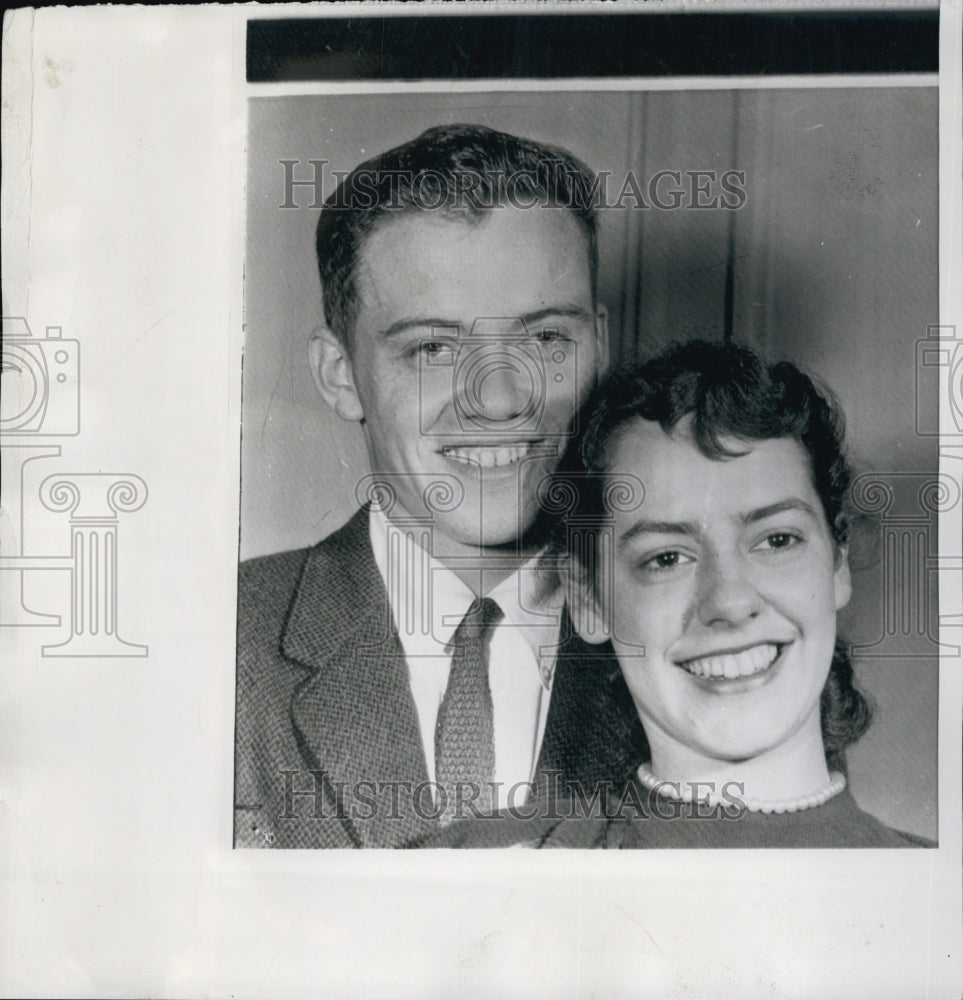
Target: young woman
{"type": "Point", "coordinates": [707, 540]}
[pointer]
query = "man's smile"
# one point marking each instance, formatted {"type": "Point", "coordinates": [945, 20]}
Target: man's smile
{"type": "Point", "coordinates": [492, 455]}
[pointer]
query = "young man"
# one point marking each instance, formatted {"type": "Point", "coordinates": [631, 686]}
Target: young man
{"type": "Point", "coordinates": [417, 666]}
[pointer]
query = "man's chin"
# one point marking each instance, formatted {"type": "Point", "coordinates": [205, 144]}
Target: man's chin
{"type": "Point", "coordinates": [505, 534]}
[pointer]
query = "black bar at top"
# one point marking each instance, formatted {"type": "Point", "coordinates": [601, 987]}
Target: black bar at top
{"type": "Point", "coordinates": [480, 47]}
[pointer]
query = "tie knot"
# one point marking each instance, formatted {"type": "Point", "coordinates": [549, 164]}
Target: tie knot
{"type": "Point", "coordinates": [483, 613]}
{"type": "Point", "coordinates": [482, 616]}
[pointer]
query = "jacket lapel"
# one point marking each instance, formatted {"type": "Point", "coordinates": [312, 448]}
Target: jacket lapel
{"type": "Point", "coordinates": [355, 719]}
{"type": "Point", "coordinates": [354, 715]}
{"type": "Point", "coordinates": [592, 733]}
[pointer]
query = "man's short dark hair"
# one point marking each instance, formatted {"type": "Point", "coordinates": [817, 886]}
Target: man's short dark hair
{"type": "Point", "coordinates": [732, 395]}
{"type": "Point", "coordinates": [462, 171]}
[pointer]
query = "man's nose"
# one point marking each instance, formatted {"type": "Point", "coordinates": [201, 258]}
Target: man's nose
{"type": "Point", "coordinates": [499, 382]}
{"type": "Point", "coordinates": [727, 594]}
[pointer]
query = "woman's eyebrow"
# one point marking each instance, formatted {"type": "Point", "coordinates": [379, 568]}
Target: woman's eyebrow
{"type": "Point", "coordinates": [645, 527]}
{"type": "Point", "coordinates": [792, 504]}
{"type": "Point", "coordinates": [658, 528]}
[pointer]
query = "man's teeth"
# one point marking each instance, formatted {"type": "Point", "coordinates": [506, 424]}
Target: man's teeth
{"type": "Point", "coordinates": [488, 458]}
{"type": "Point", "coordinates": [729, 665]}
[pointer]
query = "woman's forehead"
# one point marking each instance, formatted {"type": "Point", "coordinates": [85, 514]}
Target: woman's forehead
{"type": "Point", "coordinates": [679, 479]}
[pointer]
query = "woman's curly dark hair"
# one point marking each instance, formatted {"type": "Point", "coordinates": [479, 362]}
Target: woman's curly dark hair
{"type": "Point", "coordinates": [731, 394]}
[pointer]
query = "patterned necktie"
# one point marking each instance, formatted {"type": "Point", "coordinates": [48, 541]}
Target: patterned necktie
{"type": "Point", "coordinates": [465, 731]}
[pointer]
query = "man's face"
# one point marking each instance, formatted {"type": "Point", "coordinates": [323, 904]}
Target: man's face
{"type": "Point", "coordinates": [473, 347]}
{"type": "Point", "coordinates": [729, 578]}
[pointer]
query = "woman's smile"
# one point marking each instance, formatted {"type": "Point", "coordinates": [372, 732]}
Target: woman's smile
{"type": "Point", "coordinates": [724, 666]}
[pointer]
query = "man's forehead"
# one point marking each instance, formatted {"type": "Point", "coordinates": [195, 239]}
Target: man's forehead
{"type": "Point", "coordinates": [532, 256]}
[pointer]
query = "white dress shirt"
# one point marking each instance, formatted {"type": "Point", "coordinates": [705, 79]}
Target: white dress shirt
{"type": "Point", "coordinates": [428, 601]}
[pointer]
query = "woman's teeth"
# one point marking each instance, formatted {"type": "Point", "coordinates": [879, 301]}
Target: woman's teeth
{"type": "Point", "coordinates": [488, 458]}
{"type": "Point", "coordinates": [730, 665]}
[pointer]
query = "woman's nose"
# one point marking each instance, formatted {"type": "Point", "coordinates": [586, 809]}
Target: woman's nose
{"type": "Point", "coordinates": [727, 594]}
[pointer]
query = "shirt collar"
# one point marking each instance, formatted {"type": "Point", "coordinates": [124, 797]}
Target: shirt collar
{"type": "Point", "coordinates": [428, 600]}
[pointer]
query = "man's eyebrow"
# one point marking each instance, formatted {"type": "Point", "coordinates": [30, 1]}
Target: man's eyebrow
{"type": "Point", "coordinates": [422, 323]}
{"type": "Point", "coordinates": [562, 311]}
{"type": "Point", "coordinates": [761, 513]}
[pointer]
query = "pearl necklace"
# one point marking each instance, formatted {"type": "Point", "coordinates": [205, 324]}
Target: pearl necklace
{"type": "Point", "coordinates": [675, 790]}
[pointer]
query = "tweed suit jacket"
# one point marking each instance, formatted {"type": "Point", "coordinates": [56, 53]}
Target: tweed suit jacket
{"type": "Point", "coordinates": [328, 751]}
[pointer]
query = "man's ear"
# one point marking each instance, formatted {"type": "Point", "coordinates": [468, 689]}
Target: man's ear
{"type": "Point", "coordinates": [583, 604]}
{"type": "Point", "coordinates": [332, 374]}
{"type": "Point", "coordinates": [842, 579]}
{"type": "Point", "coordinates": [602, 338]}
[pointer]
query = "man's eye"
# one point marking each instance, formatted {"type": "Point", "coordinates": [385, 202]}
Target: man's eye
{"type": "Point", "coordinates": [547, 334]}
{"type": "Point", "coordinates": [434, 348]}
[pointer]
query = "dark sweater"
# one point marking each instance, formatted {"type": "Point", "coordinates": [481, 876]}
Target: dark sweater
{"type": "Point", "coordinates": [663, 824]}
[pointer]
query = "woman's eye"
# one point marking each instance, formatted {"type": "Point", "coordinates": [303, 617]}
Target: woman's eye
{"type": "Point", "coordinates": [665, 561]}
{"type": "Point", "coordinates": [779, 540]}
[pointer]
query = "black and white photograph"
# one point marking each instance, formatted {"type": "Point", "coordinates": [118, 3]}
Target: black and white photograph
{"type": "Point", "coordinates": [444, 445]}
{"type": "Point", "coordinates": [438, 287]}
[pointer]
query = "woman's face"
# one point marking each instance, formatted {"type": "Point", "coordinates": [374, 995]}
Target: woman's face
{"type": "Point", "coordinates": [728, 577]}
